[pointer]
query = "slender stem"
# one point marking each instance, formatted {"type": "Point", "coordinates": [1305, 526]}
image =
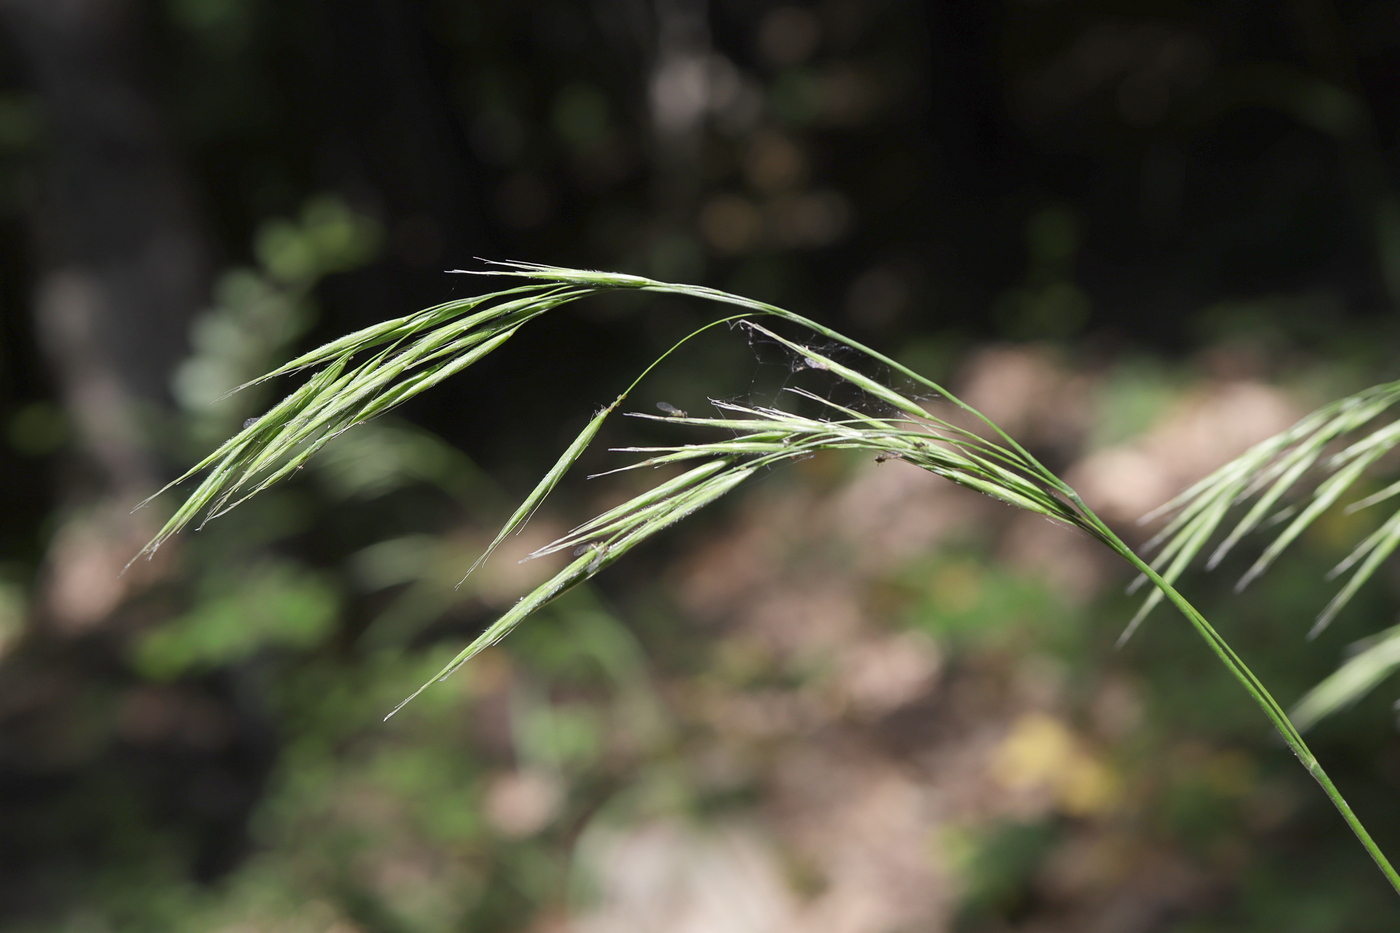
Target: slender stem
{"type": "Point", "coordinates": [1075, 513]}
{"type": "Point", "coordinates": [1095, 525]}
{"type": "Point", "coordinates": [1260, 695]}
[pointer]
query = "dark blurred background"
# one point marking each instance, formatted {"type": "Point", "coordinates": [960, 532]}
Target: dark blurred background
{"type": "Point", "coordinates": [1141, 235]}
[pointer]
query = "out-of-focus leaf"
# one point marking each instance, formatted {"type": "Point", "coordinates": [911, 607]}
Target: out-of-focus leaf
{"type": "Point", "coordinates": [276, 605]}
{"type": "Point", "coordinates": [1378, 658]}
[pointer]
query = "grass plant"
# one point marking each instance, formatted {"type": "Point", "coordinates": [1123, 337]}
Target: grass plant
{"type": "Point", "coordinates": [369, 372]}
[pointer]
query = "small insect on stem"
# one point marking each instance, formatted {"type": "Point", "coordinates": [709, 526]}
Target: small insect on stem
{"type": "Point", "coordinates": [600, 550]}
{"type": "Point", "coordinates": [670, 410]}
{"type": "Point", "coordinates": [884, 455]}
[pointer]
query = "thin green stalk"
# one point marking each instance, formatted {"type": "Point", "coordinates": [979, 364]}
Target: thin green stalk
{"type": "Point", "coordinates": [425, 348]}
{"type": "Point", "coordinates": [1260, 695]}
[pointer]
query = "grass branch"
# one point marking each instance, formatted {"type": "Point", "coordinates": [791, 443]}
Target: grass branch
{"type": "Point", "coordinates": [369, 372]}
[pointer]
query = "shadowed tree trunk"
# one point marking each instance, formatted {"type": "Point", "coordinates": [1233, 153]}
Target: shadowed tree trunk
{"type": "Point", "coordinates": [122, 269]}
{"type": "Point", "coordinates": [976, 160]}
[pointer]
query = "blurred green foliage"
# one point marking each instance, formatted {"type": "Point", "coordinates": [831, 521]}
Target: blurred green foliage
{"type": "Point", "coordinates": [270, 606]}
{"type": "Point", "coordinates": [1175, 196]}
